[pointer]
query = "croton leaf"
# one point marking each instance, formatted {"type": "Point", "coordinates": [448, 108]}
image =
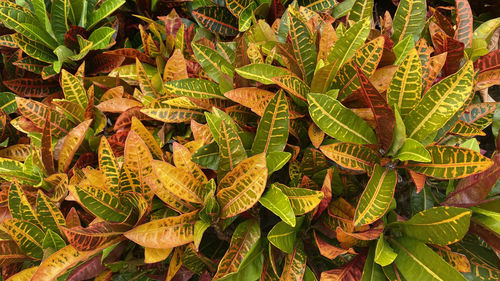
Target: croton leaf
{"type": "Point", "coordinates": [409, 19]}
{"type": "Point", "coordinates": [464, 22]}
{"type": "Point", "coordinates": [352, 156]}
{"type": "Point", "coordinates": [416, 259]}
{"type": "Point", "coordinates": [376, 197]}
{"type": "Point", "coordinates": [439, 225]}
{"type": "Point", "coordinates": [164, 233]}
{"type": "Point", "coordinates": [439, 104]}
{"type": "Point", "coordinates": [71, 144]}
{"type": "Point", "coordinates": [272, 133]}
{"type": "Point", "coordinates": [94, 236]}
{"type": "Point", "coordinates": [278, 203]}
{"type": "Point", "coordinates": [448, 162]}
{"type": "Point", "coordinates": [244, 238]}
{"type": "Point", "coordinates": [217, 19]}
{"type": "Point", "coordinates": [302, 43]}
{"type": "Point", "coordinates": [27, 235]}
{"type": "Point", "coordinates": [242, 187]}
{"type": "Point", "coordinates": [303, 200]}
{"type": "Point", "coordinates": [338, 121]}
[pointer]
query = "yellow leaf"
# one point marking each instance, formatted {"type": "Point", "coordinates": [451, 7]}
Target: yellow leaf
{"type": "Point", "coordinates": [242, 187]}
{"type": "Point", "coordinates": [165, 233]}
{"type": "Point", "coordinates": [152, 255]}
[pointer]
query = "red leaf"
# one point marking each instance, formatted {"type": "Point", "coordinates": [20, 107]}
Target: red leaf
{"type": "Point", "coordinates": [489, 236]}
{"type": "Point", "coordinates": [131, 54]}
{"type": "Point", "coordinates": [46, 150]}
{"type": "Point", "coordinates": [103, 63]}
{"type": "Point", "coordinates": [474, 189]}
{"type": "Point", "coordinates": [349, 272]}
{"type": "Point", "coordinates": [72, 219]}
{"type": "Point", "coordinates": [87, 270]}
{"type": "Point", "coordinates": [172, 23]}
{"type": "Point", "coordinates": [329, 251]}
{"type": "Point", "coordinates": [117, 142]}
{"type": "Point", "coordinates": [418, 180]}
{"type": "Point", "coordinates": [326, 188]}
{"type": "Point", "coordinates": [464, 22]}
{"type": "Point", "coordinates": [93, 236]}
{"type": "Point", "coordinates": [86, 159]}
{"type": "Point", "coordinates": [125, 119]}
{"type": "Point", "coordinates": [32, 87]}
{"type": "Point", "coordinates": [487, 62]}
{"type": "Point", "coordinates": [384, 116]}
{"type": "Point", "coordinates": [444, 43]}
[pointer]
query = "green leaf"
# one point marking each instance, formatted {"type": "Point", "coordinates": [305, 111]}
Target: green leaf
{"type": "Point", "coordinates": [278, 203]}
{"type": "Point", "coordinates": [207, 156]}
{"type": "Point", "coordinates": [303, 44]}
{"type": "Point", "coordinates": [59, 18]}
{"type": "Point", "coordinates": [338, 121]}
{"type": "Point", "coordinates": [101, 203]}
{"type": "Point", "coordinates": [372, 271]}
{"type": "Point", "coordinates": [402, 48]}
{"type": "Point", "coordinates": [217, 19]}
{"type": "Point", "coordinates": [360, 10]}
{"type": "Point", "coordinates": [342, 8]}
{"type": "Point", "coordinates": [409, 19]}
{"type": "Point", "coordinates": [448, 162]}
{"type": "Point", "coordinates": [276, 160]}
{"type": "Point", "coordinates": [384, 254]}
{"type": "Point", "coordinates": [73, 89]}
{"type": "Point", "coordinates": [416, 261]}
{"type": "Point", "coordinates": [105, 9]}
{"type": "Point", "coordinates": [352, 156]}
{"type": "Point", "coordinates": [48, 214]}
{"type": "Point", "coordinates": [440, 103]}
{"type": "Point", "coordinates": [245, 237]}
{"type": "Point", "coordinates": [303, 200]}
{"type": "Point", "coordinates": [246, 17]}
{"type": "Point", "coordinates": [10, 169]}
{"type": "Point", "coordinates": [101, 37]}
{"type": "Point", "coordinates": [272, 132]}
{"type": "Point", "coordinates": [194, 88]}
{"type": "Point", "coordinates": [262, 72]}
{"type": "Point", "coordinates": [34, 49]}
{"type": "Point", "coordinates": [212, 62]}
{"type": "Point", "coordinates": [284, 236]}
{"type": "Point", "coordinates": [414, 151]}
{"type": "Point", "coordinates": [27, 235]}
{"type": "Point", "coordinates": [26, 25]}
{"type": "Point", "coordinates": [53, 241]}
{"type": "Point", "coordinates": [199, 228]}
{"type": "Point", "coordinates": [377, 196]}
{"type": "Point", "coordinates": [486, 29]}
{"type": "Point", "coordinates": [406, 86]}
{"type": "Point", "coordinates": [438, 225]}
{"type": "Point", "coordinates": [18, 204]}
{"type": "Point", "coordinates": [41, 14]}
{"type": "Point", "coordinates": [231, 148]}
{"type": "Point", "coordinates": [352, 40]}
{"type": "Point", "coordinates": [236, 7]}
{"type": "Point", "coordinates": [8, 102]}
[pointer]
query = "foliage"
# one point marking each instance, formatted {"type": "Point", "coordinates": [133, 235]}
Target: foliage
{"type": "Point", "coordinates": [248, 140]}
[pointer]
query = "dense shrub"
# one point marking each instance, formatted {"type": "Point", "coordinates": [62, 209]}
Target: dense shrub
{"type": "Point", "coordinates": [249, 140]}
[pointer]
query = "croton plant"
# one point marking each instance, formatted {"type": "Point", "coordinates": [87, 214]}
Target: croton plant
{"type": "Point", "coordinates": [246, 140]}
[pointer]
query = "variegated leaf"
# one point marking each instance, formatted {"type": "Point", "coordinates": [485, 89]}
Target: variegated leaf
{"type": "Point", "coordinates": [242, 187]}
{"type": "Point", "coordinates": [376, 197]}
{"type": "Point", "coordinates": [164, 233]}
